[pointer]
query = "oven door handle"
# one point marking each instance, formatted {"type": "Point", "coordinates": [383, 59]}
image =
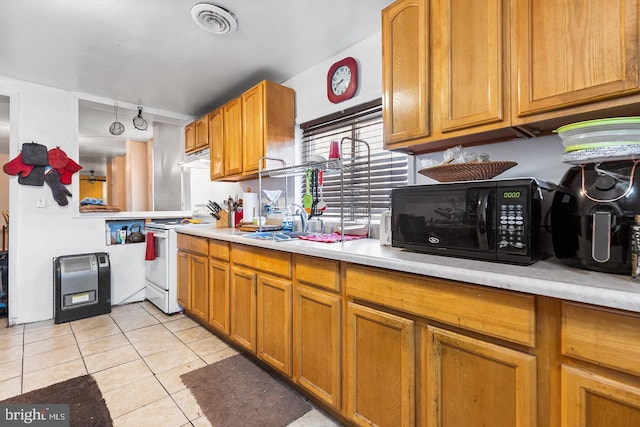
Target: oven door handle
{"type": "Point", "coordinates": [482, 226]}
{"type": "Point", "coordinates": [158, 234]}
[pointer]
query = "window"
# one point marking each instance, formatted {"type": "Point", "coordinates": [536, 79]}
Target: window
{"type": "Point", "coordinates": [388, 169]}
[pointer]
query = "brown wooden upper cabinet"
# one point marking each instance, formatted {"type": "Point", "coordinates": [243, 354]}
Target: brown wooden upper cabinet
{"type": "Point", "coordinates": [574, 56]}
{"type": "Point", "coordinates": [259, 123]}
{"type": "Point", "coordinates": [232, 143]}
{"type": "Point", "coordinates": [190, 137]}
{"type": "Point", "coordinates": [498, 69]}
{"type": "Point", "coordinates": [216, 143]}
{"type": "Point", "coordinates": [268, 118]}
{"type": "Point", "coordinates": [196, 135]}
{"type": "Point", "coordinates": [405, 73]}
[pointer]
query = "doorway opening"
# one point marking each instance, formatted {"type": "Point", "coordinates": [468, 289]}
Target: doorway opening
{"type": "Point", "coordinates": [4, 206]}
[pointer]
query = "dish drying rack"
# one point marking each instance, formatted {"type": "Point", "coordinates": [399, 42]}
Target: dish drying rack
{"type": "Point", "coordinates": [355, 180]}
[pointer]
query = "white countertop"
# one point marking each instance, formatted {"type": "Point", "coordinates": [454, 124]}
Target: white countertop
{"type": "Point", "coordinates": [135, 215]}
{"type": "Point", "coordinates": [548, 277]}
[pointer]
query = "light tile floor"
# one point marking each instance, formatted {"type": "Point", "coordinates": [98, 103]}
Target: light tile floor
{"type": "Point", "coordinates": [136, 355]}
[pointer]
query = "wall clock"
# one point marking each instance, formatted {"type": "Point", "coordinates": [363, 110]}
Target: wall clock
{"type": "Point", "coordinates": [342, 80]}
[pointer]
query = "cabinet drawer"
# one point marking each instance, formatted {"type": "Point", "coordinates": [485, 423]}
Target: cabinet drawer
{"type": "Point", "coordinates": [272, 262]}
{"type": "Point", "coordinates": [323, 273]}
{"type": "Point", "coordinates": [606, 337]}
{"type": "Point", "coordinates": [219, 249]}
{"type": "Point", "coordinates": [497, 313]}
{"type": "Point", "coordinates": [195, 244]}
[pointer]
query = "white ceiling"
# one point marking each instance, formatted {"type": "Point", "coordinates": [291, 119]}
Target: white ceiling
{"type": "Point", "coordinates": [151, 53]}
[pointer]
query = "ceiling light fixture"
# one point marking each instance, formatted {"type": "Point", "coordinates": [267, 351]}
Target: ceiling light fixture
{"type": "Point", "coordinates": [214, 19]}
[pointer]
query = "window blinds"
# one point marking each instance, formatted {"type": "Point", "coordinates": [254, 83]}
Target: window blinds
{"type": "Point", "coordinates": [387, 169]}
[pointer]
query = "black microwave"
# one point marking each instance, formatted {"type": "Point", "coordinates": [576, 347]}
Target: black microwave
{"type": "Point", "coordinates": [494, 220]}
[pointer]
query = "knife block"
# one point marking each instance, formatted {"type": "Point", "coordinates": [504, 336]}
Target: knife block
{"type": "Point", "coordinates": [223, 222]}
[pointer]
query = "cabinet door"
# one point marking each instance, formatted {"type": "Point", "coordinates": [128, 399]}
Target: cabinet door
{"type": "Point", "coordinates": [199, 286]}
{"type": "Point", "coordinates": [202, 133]}
{"type": "Point", "coordinates": [469, 66]}
{"type": "Point", "coordinates": [216, 144]}
{"type": "Point", "coordinates": [405, 73]}
{"type": "Point", "coordinates": [253, 124]}
{"type": "Point", "coordinates": [219, 295]}
{"type": "Point", "coordinates": [593, 400]}
{"type": "Point", "coordinates": [190, 137]}
{"type": "Point", "coordinates": [316, 331]}
{"type": "Point", "coordinates": [242, 314]}
{"type": "Point", "coordinates": [573, 52]}
{"type": "Point", "coordinates": [184, 279]}
{"type": "Point", "coordinates": [380, 368]}
{"type": "Point", "coordinates": [274, 322]}
{"type": "Point", "coordinates": [233, 137]}
{"type": "Point", "coordinates": [475, 383]}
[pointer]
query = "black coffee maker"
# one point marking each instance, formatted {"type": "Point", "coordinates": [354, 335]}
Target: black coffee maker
{"type": "Point", "coordinates": [592, 213]}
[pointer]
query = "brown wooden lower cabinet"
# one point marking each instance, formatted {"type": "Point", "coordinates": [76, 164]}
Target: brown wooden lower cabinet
{"type": "Point", "coordinates": [594, 400]}
{"type": "Point", "coordinates": [219, 295]}
{"type": "Point", "coordinates": [316, 345]}
{"type": "Point", "coordinates": [193, 284]}
{"type": "Point", "coordinates": [242, 311]}
{"type": "Point", "coordinates": [200, 286]}
{"type": "Point", "coordinates": [383, 348]}
{"type": "Point", "coordinates": [469, 382]}
{"type": "Point", "coordinates": [380, 368]}
{"type": "Point", "coordinates": [193, 275]}
{"type": "Point", "coordinates": [604, 390]}
{"type": "Point", "coordinates": [274, 321]}
{"type": "Point", "coordinates": [184, 280]}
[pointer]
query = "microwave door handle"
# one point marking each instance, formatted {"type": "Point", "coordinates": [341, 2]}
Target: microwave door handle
{"type": "Point", "coordinates": [482, 226]}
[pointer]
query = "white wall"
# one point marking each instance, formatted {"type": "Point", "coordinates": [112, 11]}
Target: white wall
{"type": "Point", "coordinates": [536, 157]}
{"type": "Point", "coordinates": [166, 172]}
{"type": "Point", "coordinates": [311, 87]}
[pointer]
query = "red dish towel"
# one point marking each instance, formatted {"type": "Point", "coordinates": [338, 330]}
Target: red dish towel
{"type": "Point", "coordinates": [150, 254]}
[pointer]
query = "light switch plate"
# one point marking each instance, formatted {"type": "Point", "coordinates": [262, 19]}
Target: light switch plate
{"type": "Point", "coordinates": [41, 202]}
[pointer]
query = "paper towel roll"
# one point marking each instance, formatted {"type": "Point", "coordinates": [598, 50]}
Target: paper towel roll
{"type": "Point", "coordinates": [250, 207]}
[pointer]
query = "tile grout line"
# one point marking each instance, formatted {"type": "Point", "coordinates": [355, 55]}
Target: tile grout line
{"type": "Point", "coordinates": [140, 357]}
{"type": "Point", "coordinates": [163, 386]}
{"type": "Point", "coordinates": [151, 370]}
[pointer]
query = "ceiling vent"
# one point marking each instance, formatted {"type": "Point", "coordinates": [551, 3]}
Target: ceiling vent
{"type": "Point", "coordinates": [214, 19]}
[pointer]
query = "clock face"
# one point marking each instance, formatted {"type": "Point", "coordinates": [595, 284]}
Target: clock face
{"type": "Point", "coordinates": [341, 80]}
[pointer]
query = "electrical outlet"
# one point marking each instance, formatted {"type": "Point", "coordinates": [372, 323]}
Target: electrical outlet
{"type": "Point", "coordinates": [41, 202]}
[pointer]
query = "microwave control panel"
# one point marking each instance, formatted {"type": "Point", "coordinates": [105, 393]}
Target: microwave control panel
{"type": "Point", "coordinates": [512, 212]}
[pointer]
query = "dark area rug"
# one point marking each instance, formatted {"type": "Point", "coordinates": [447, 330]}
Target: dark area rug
{"type": "Point", "coordinates": [236, 392]}
{"type": "Point", "coordinates": [86, 404]}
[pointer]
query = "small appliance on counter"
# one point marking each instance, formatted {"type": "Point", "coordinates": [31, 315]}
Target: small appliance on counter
{"type": "Point", "coordinates": [592, 215]}
{"type": "Point", "coordinates": [494, 220]}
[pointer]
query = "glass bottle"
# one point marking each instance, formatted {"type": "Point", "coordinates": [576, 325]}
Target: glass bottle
{"type": "Point", "coordinates": [287, 220]}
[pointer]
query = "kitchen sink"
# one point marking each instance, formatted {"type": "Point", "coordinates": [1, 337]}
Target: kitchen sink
{"type": "Point", "coordinates": [276, 236]}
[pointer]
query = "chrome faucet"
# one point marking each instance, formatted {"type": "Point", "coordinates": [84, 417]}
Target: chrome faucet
{"type": "Point", "coordinates": [304, 218]}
